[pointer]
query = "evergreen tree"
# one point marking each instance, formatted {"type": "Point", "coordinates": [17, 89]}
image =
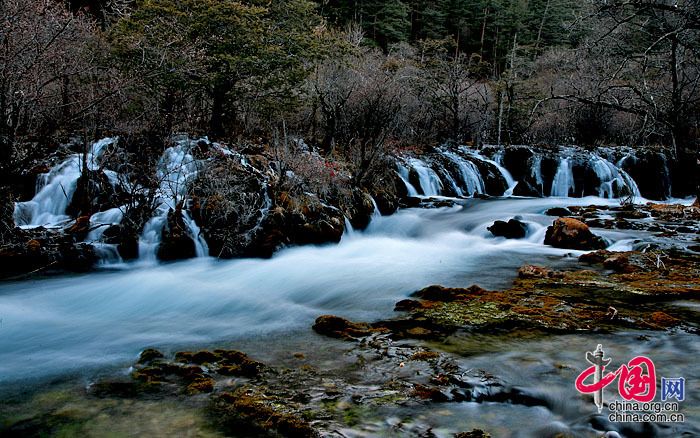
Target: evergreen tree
{"type": "Point", "coordinates": [219, 50]}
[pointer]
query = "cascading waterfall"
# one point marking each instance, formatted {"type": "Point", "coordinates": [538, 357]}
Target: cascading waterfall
{"type": "Point", "coordinates": [429, 180]}
{"type": "Point", "coordinates": [463, 175]}
{"type": "Point", "coordinates": [563, 181]}
{"type": "Point", "coordinates": [610, 175]}
{"type": "Point", "coordinates": [55, 190]}
{"type": "Point", "coordinates": [99, 222]}
{"type": "Point", "coordinates": [176, 169]}
{"type": "Point", "coordinates": [471, 177]}
{"type": "Point", "coordinates": [510, 181]}
{"type": "Point", "coordinates": [536, 171]}
{"type": "Point", "coordinates": [403, 174]}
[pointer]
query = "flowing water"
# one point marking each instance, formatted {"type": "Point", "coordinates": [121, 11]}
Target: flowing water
{"type": "Point", "coordinates": [55, 190]}
{"type": "Point", "coordinates": [81, 325]}
{"type": "Point", "coordinates": [55, 325]}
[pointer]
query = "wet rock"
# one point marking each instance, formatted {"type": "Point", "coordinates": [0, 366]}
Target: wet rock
{"type": "Point", "coordinates": [525, 188]}
{"type": "Point", "coordinates": [126, 238]}
{"type": "Point", "coordinates": [532, 271]}
{"type": "Point", "coordinates": [176, 242]}
{"type": "Point", "coordinates": [360, 209]}
{"type": "Point", "coordinates": [570, 233]}
{"type": "Point", "coordinates": [558, 211]}
{"type": "Point", "coordinates": [148, 355]}
{"type": "Point", "coordinates": [241, 412]}
{"type": "Point", "coordinates": [475, 433]}
{"type": "Point", "coordinates": [447, 294]}
{"type": "Point", "coordinates": [79, 257]}
{"type": "Point", "coordinates": [94, 192]}
{"type": "Point", "coordinates": [631, 214]}
{"type": "Point", "coordinates": [40, 250]}
{"type": "Point", "coordinates": [80, 228]}
{"type": "Point", "coordinates": [337, 327]}
{"type": "Point", "coordinates": [513, 229]}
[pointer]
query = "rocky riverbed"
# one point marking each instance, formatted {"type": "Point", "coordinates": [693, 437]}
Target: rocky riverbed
{"type": "Point", "coordinates": [442, 364]}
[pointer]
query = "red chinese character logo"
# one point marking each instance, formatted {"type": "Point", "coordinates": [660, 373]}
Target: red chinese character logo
{"type": "Point", "coordinates": [637, 378]}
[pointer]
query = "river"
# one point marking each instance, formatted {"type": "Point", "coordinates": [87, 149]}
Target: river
{"type": "Point", "coordinates": [85, 324]}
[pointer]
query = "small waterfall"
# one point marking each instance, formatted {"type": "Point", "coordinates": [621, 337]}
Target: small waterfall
{"type": "Point", "coordinates": [609, 174]}
{"type": "Point", "coordinates": [403, 173]}
{"type": "Point", "coordinates": [429, 180]}
{"type": "Point", "coordinates": [349, 231]}
{"type": "Point", "coordinates": [510, 181]}
{"type": "Point", "coordinates": [563, 179]}
{"type": "Point", "coordinates": [176, 169]}
{"type": "Point", "coordinates": [536, 171]}
{"type": "Point", "coordinates": [55, 190]}
{"type": "Point", "coordinates": [471, 177]}
{"type": "Point", "coordinates": [200, 245]}
{"type": "Point", "coordinates": [99, 222]}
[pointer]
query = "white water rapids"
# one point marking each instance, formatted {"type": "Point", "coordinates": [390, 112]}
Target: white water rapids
{"type": "Point", "coordinates": [70, 323]}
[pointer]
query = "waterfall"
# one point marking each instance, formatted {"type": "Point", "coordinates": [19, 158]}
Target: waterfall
{"type": "Point", "coordinates": [403, 174]}
{"type": "Point", "coordinates": [609, 174]}
{"type": "Point", "coordinates": [176, 169]}
{"type": "Point", "coordinates": [536, 171]}
{"type": "Point", "coordinates": [510, 181]}
{"type": "Point", "coordinates": [429, 181]}
{"type": "Point", "coordinates": [563, 179]}
{"type": "Point", "coordinates": [471, 177]}
{"type": "Point", "coordinates": [55, 190]}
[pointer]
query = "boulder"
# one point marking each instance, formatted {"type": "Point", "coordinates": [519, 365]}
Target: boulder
{"type": "Point", "coordinates": [558, 211]}
{"type": "Point", "coordinates": [94, 192]}
{"type": "Point", "coordinates": [570, 233]}
{"type": "Point", "coordinates": [513, 229]}
{"type": "Point", "coordinates": [126, 238]}
{"type": "Point", "coordinates": [525, 188]}
{"type": "Point", "coordinates": [80, 228]}
{"type": "Point", "coordinates": [337, 327]}
{"type": "Point", "coordinates": [176, 243]}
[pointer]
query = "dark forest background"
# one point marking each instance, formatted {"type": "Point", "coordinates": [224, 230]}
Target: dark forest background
{"type": "Point", "coordinates": [356, 79]}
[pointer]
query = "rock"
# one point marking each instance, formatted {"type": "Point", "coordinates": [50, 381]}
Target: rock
{"type": "Point", "coordinates": [532, 271]}
{"type": "Point", "coordinates": [80, 228]}
{"type": "Point", "coordinates": [80, 257]}
{"type": "Point", "coordinates": [243, 414]}
{"type": "Point", "coordinates": [360, 209]}
{"type": "Point", "coordinates": [337, 327]}
{"type": "Point", "coordinates": [126, 239]}
{"type": "Point", "coordinates": [558, 211]}
{"type": "Point", "coordinates": [513, 229]}
{"type": "Point", "coordinates": [94, 192]}
{"type": "Point", "coordinates": [148, 355]}
{"type": "Point", "coordinates": [176, 243]}
{"type": "Point", "coordinates": [525, 188]}
{"type": "Point", "coordinates": [632, 214]}
{"type": "Point", "coordinates": [475, 433]}
{"type": "Point", "coordinates": [570, 233]}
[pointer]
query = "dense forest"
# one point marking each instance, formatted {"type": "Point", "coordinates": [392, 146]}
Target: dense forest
{"type": "Point", "coordinates": [422, 73]}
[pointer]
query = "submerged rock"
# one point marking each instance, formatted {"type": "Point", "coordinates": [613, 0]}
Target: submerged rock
{"type": "Point", "coordinates": [571, 233]}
